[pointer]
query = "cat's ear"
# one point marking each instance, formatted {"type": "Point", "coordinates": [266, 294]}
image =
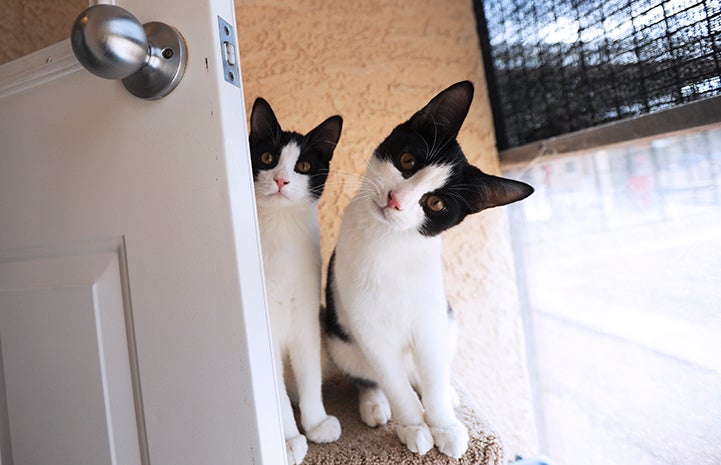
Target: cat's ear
{"type": "Point", "coordinates": [445, 113]}
{"type": "Point", "coordinates": [263, 123]}
{"type": "Point", "coordinates": [324, 137]}
{"type": "Point", "coordinates": [493, 191]}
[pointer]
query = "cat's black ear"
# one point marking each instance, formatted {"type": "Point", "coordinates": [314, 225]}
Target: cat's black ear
{"type": "Point", "coordinates": [324, 137]}
{"type": "Point", "coordinates": [493, 191]}
{"type": "Point", "coordinates": [263, 123]}
{"type": "Point", "coordinates": [445, 113]}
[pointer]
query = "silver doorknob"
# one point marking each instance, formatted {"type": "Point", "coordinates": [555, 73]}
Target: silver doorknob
{"type": "Point", "coordinates": [111, 43]}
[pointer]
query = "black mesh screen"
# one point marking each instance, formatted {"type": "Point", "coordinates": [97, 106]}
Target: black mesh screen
{"type": "Point", "coordinates": [557, 66]}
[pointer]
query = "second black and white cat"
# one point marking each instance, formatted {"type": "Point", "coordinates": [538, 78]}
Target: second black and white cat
{"type": "Point", "coordinates": [289, 172]}
{"type": "Point", "coordinates": [389, 324]}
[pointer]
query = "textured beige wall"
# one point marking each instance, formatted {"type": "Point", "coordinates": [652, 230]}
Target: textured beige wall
{"type": "Point", "coordinates": [29, 25]}
{"type": "Point", "coordinates": [376, 62]}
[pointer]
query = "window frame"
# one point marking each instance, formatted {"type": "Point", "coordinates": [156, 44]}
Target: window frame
{"type": "Point", "coordinates": [690, 116]}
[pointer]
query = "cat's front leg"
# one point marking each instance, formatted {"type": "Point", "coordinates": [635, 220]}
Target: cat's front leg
{"type": "Point", "coordinates": [305, 359]}
{"type": "Point", "coordinates": [372, 402]}
{"type": "Point", "coordinates": [405, 406]}
{"type": "Point", "coordinates": [295, 449]}
{"type": "Point", "coordinates": [451, 438]}
{"type": "Point", "coordinates": [296, 445]}
{"type": "Point", "coordinates": [373, 406]}
{"type": "Point", "coordinates": [433, 371]}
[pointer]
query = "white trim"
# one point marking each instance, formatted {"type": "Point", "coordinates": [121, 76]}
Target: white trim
{"type": "Point", "coordinates": [689, 116]}
{"type": "Point", "coordinates": [41, 66]}
{"type": "Point", "coordinates": [38, 68]}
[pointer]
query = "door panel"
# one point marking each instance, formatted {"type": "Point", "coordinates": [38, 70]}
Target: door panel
{"type": "Point", "coordinates": [83, 162]}
{"type": "Point", "coordinates": [65, 362]}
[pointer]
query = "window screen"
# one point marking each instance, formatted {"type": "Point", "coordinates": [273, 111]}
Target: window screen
{"type": "Point", "coordinates": [557, 66]}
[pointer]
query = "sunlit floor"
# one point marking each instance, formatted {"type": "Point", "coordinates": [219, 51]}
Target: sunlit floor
{"type": "Point", "coordinates": [621, 257]}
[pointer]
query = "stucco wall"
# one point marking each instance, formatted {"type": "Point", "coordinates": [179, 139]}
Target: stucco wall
{"type": "Point", "coordinates": [29, 25]}
{"type": "Point", "coordinates": [376, 62]}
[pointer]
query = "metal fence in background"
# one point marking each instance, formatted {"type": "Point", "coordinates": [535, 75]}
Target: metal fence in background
{"type": "Point", "coordinates": [558, 66]}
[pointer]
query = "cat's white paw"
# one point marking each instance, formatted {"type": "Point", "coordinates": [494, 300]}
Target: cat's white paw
{"type": "Point", "coordinates": [417, 438]}
{"type": "Point", "coordinates": [451, 439]}
{"type": "Point", "coordinates": [327, 430]}
{"type": "Point", "coordinates": [374, 408]}
{"type": "Point", "coordinates": [295, 449]}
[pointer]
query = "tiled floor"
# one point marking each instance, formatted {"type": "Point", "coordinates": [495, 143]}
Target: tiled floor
{"type": "Point", "coordinates": [621, 256]}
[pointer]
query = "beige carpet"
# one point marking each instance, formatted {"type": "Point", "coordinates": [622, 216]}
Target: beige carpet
{"type": "Point", "coordinates": [362, 445]}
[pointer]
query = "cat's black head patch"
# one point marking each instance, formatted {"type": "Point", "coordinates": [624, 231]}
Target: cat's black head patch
{"type": "Point", "coordinates": [267, 141]}
{"type": "Point", "coordinates": [429, 138]}
{"type": "Point", "coordinates": [468, 190]}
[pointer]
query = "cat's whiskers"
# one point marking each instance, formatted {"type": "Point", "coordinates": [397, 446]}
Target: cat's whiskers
{"type": "Point", "coordinates": [438, 145]}
{"type": "Point", "coordinates": [461, 199]}
{"type": "Point", "coordinates": [309, 144]}
{"type": "Point", "coordinates": [371, 173]}
{"type": "Point", "coordinates": [348, 174]}
{"type": "Point", "coordinates": [274, 130]}
{"type": "Point", "coordinates": [370, 187]}
{"type": "Point", "coordinates": [342, 178]}
{"type": "Point", "coordinates": [470, 188]}
{"type": "Point", "coordinates": [365, 185]}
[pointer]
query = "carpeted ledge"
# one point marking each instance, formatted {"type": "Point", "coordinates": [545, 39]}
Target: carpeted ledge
{"type": "Point", "coordinates": [362, 445]}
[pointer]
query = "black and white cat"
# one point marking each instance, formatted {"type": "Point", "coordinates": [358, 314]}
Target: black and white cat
{"type": "Point", "coordinates": [289, 171]}
{"type": "Point", "coordinates": [389, 324]}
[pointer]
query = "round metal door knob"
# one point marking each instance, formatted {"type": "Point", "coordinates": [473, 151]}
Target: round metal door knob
{"type": "Point", "coordinates": [111, 43]}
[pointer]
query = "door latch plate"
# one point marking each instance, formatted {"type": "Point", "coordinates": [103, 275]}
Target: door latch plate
{"type": "Point", "coordinates": [229, 52]}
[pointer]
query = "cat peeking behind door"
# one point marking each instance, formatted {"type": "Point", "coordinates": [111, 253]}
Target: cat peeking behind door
{"type": "Point", "coordinates": [289, 173]}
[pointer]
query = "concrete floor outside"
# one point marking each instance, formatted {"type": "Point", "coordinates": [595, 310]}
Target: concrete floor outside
{"type": "Point", "coordinates": [621, 258]}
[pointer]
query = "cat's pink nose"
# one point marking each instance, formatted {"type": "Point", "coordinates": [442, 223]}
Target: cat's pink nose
{"type": "Point", "coordinates": [280, 182]}
{"type": "Point", "coordinates": [393, 201]}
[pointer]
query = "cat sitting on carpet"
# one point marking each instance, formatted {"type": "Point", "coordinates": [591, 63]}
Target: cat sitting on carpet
{"type": "Point", "coordinates": [289, 172]}
{"type": "Point", "coordinates": [390, 327]}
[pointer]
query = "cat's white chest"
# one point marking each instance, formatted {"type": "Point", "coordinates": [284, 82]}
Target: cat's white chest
{"type": "Point", "coordinates": [395, 279]}
{"type": "Point", "coordinates": [292, 268]}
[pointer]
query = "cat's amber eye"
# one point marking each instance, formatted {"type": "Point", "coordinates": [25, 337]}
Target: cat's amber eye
{"type": "Point", "coordinates": [407, 161]}
{"type": "Point", "coordinates": [434, 203]}
{"type": "Point", "coordinates": [267, 158]}
{"type": "Point", "coordinates": [303, 166]}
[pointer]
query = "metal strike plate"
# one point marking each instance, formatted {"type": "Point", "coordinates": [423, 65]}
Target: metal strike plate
{"type": "Point", "coordinates": [229, 52]}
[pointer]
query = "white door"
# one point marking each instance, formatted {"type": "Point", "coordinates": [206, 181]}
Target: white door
{"type": "Point", "coordinates": [133, 327]}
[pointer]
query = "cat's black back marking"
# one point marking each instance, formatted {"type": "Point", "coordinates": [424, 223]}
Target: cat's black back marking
{"type": "Point", "coordinates": [362, 382]}
{"type": "Point", "coordinates": [332, 326]}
